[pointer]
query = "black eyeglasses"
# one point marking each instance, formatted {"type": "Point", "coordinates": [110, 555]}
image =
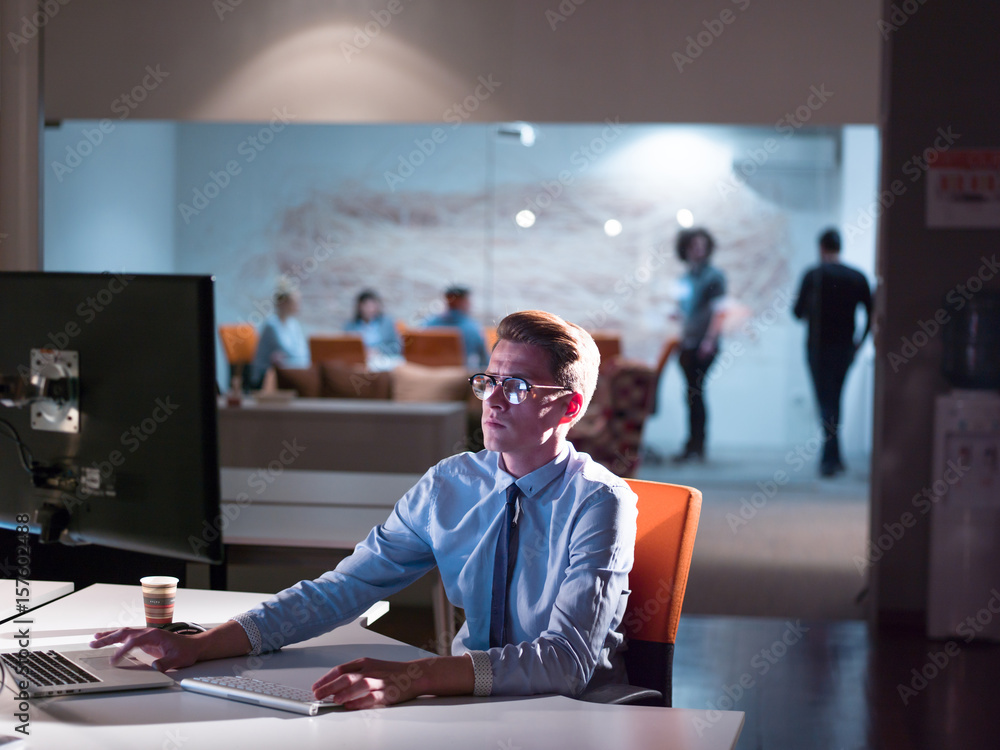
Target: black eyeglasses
{"type": "Point", "coordinates": [515, 390]}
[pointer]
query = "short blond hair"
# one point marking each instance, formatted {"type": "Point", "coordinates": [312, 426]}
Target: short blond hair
{"type": "Point", "coordinates": [573, 356]}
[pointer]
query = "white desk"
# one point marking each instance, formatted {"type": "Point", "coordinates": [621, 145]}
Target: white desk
{"type": "Point", "coordinates": [40, 592]}
{"type": "Point", "coordinates": [178, 720]}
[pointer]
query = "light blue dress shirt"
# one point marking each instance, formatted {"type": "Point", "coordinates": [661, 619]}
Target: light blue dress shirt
{"type": "Point", "coordinates": [569, 585]}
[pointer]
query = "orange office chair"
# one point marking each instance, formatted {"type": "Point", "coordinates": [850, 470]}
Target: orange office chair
{"type": "Point", "coordinates": [239, 342]}
{"type": "Point", "coordinates": [346, 347]}
{"type": "Point", "coordinates": [666, 528]}
{"type": "Point", "coordinates": [434, 347]}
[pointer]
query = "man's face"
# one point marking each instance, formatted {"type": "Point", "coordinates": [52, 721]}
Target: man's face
{"type": "Point", "coordinates": [523, 432]}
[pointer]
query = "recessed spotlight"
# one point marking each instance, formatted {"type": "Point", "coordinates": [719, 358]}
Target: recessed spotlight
{"type": "Point", "coordinates": [685, 218]}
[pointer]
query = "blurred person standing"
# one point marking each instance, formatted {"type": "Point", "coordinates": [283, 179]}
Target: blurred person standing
{"type": "Point", "coordinates": [828, 300]}
{"type": "Point", "coordinates": [702, 289]}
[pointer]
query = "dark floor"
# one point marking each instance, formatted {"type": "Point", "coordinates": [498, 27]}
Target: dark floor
{"type": "Point", "coordinates": [815, 685]}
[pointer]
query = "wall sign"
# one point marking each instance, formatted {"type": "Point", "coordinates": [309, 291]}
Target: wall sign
{"type": "Point", "coordinates": [963, 189]}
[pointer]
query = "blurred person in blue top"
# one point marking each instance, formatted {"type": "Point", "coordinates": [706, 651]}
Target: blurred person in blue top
{"type": "Point", "coordinates": [702, 290]}
{"type": "Point", "coordinates": [533, 540]}
{"type": "Point", "coordinates": [377, 330]}
{"type": "Point", "coordinates": [458, 301]}
{"type": "Point", "coordinates": [282, 342]}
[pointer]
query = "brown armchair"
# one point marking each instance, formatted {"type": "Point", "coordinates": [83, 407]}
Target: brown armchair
{"type": "Point", "coordinates": [346, 347]}
{"type": "Point", "coordinates": [434, 347]}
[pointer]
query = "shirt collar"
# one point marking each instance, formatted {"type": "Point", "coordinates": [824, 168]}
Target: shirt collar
{"type": "Point", "coordinates": [533, 483]}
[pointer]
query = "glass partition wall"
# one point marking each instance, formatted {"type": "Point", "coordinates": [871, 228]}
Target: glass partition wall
{"type": "Point", "coordinates": [579, 219]}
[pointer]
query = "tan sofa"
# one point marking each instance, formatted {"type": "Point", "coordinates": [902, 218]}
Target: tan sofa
{"type": "Point", "coordinates": [408, 382]}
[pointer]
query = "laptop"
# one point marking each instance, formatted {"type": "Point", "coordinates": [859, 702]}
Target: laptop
{"type": "Point", "coordinates": [50, 673]}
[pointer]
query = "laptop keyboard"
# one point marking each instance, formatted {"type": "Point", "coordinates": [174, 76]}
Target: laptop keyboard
{"type": "Point", "coordinates": [48, 668]}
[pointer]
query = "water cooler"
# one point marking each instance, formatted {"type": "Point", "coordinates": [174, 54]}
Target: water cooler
{"type": "Point", "coordinates": [964, 576]}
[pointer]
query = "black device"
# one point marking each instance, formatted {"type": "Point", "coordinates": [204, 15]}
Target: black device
{"type": "Point", "coordinates": [108, 413]}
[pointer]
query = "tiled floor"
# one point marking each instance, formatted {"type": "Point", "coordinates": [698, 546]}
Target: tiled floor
{"type": "Point", "coordinates": [774, 544]}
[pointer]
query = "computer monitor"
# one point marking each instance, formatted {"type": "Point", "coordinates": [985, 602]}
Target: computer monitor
{"type": "Point", "coordinates": [108, 413]}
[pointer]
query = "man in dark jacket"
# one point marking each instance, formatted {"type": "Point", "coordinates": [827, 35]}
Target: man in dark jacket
{"type": "Point", "coordinates": [828, 300]}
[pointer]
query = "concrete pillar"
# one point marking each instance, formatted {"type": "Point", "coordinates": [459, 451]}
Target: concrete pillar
{"type": "Point", "coordinates": [21, 27]}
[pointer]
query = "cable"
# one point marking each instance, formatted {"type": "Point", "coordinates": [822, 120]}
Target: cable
{"type": "Point", "coordinates": [24, 453]}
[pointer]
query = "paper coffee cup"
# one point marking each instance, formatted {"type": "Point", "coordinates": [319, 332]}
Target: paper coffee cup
{"type": "Point", "coordinates": [158, 595]}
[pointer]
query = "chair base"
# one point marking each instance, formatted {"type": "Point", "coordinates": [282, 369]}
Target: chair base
{"type": "Point", "coordinates": [623, 695]}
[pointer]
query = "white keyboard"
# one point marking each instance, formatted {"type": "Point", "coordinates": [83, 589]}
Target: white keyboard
{"type": "Point", "coordinates": [259, 693]}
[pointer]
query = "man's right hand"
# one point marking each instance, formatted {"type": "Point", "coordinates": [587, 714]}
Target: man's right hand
{"type": "Point", "coordinates": [173, 651]}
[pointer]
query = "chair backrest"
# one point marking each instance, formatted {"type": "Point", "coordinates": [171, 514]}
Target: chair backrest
{"type": "Point", "coordinates": [666, 529]}
{"type": "Point", "coordinates": [611, 430]}
{"type": "Point", "coordinates": [239, 341]}
{"type": "Point", "coordinates": [346, 347]}
{"type": "Point", "coordinates": [434, 347]}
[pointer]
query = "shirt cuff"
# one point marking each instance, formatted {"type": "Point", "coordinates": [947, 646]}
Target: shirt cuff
{"type": "Point", "coordinates": [483, 671]}
{"type": "Point", "coordinates": [253, 633]}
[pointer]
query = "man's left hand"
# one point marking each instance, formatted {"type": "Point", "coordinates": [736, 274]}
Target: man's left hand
{"type": "Point", "coordinates": [369, 683]}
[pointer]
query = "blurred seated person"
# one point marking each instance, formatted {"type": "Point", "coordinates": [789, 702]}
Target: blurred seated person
{"type": "Point", "coordinates": [457, 315]}
{"type": "Point", "coordinates": [282, 341]}
{"type": "Point", "coordinates": [377, 331]}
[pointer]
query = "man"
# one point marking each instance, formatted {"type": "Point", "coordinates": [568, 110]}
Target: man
{"type": "Point", "coordinates": [457, 315]}
{"type": "Point", "coordinates": [828, 300]}
{"type": "Point", "coordinates": [702, 290]}
{"type": "Point", "coordinates": [532, 539]}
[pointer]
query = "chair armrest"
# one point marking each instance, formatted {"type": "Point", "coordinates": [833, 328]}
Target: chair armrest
{"type": "Point", "coordinates": [623, 694]}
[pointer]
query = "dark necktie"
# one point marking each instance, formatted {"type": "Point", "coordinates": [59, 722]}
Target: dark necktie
{"type": "Point", "coordinates": [503, 566]}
